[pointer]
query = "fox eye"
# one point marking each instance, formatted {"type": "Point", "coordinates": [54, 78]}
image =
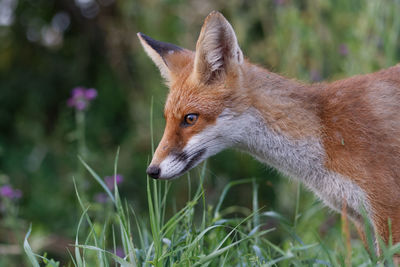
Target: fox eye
{"type": "Point", "coordinates": [190, 119]}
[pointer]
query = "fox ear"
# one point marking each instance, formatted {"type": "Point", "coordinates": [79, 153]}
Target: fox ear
{"type": "Point", "coordinates": [164, 55]}
{"type": "Point", "coordinates": [217, 49]}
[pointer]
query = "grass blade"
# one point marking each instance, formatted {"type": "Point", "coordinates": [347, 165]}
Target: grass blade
{"type": "Point", "coordinates": [28, 249]}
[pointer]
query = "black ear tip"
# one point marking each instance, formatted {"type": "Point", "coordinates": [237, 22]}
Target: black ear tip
{"type": "Point", "coordinates": [144, 36]}
{"type": "Point", "coordinates": [148, 39]}
{"type": "Point", "coordinates": [160, 47]}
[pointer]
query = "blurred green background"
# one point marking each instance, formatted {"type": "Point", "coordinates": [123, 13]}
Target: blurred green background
{"type": "Point", "coordinates": [49, 47]}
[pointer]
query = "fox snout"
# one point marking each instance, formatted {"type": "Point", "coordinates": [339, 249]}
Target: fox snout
{"type": "Point", "coordinates": [175, 164]}
{"type": "Point", "coordinates": [153, 171]}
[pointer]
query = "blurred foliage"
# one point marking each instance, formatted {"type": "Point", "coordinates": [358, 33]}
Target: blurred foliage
{"type": "Point", "coordinates": [49, 47]}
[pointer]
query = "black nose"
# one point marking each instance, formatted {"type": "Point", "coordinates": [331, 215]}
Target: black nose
{"type": "Point", "coordinates": [154, 171]}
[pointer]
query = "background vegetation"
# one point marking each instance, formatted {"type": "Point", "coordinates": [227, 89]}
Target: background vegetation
{"type": "Point", "coordinates": [47, 48]}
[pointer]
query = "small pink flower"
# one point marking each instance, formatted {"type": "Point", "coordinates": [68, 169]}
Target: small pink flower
{"type": "Point", "coordinates": [81, 104]}
{"type": "Point", "coordinates": [90, 94]}
{"type": "Point", "coordinates": [8, 192]}
{"type": "Point", "coordinates": [81, 97]}
{"type": "Point", "coordinates": [78, 92]}
{"type": "Point", "coordinates": [120, 252]}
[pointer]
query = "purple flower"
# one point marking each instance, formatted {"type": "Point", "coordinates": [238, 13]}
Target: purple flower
{"type": "Point", "coordinates": [90, 94]}
{"type": "Point", "coordinates": [78, 92]}
{"type": "Point", "coordinates": [81, 105]}
{"type": "Point", "coordinates": [110, 180]}
{"type": "Point", "coordinates": [101, 198]}
{"type": "Point", "coordinates": [343, 50]}
{"type": "Point", "coordinates": [119, 252]}
{"type": "Point", "coordinates": [8, 192]}
{"type": "Point", "coordinates": [81, 97]}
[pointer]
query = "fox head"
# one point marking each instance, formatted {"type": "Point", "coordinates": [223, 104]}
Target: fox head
{"type": "Point", "coordinates": [203, 85]}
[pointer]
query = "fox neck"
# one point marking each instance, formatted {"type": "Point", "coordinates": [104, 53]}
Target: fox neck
{"type": "Point", "coordinates": [280, 127]}
{"type": "Point", "coordinates": [275, 121]}
{"type": "Point", "coordinates": [295, 158]}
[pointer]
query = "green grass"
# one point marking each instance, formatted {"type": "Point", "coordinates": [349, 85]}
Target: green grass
{"type": "Point", "coordinates": [200, 235]}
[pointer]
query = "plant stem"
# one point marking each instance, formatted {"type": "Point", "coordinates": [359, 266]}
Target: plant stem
{"type": "Point", "coordinates": [82, 151]}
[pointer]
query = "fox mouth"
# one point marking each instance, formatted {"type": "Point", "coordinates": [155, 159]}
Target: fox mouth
{"type": "Point", "coordinates": [193, 161]}
{"type": "Point", "coordinates": [178, 164]}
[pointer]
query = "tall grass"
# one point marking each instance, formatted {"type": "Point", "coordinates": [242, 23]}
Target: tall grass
{"type": "Point", "coordinates": [196, 235]}
{"type": "Point", "coordinates": [177, 240]}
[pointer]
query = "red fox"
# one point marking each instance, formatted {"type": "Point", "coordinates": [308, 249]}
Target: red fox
{"type": "Point", "coordinates": [341, 139]}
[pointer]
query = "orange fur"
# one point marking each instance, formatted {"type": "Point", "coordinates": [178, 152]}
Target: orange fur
{"type": "Point", "coordinates": [362, 141]}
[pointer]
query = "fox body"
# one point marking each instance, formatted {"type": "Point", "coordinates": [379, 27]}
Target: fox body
{"type": "Point", "coordinates": [341, 139]}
